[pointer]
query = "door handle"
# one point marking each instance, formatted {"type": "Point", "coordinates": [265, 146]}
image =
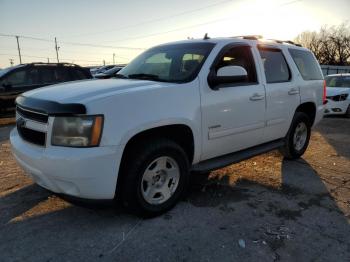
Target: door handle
{"type": "Point", "coordinates": [293, 91]}
{"type": "Point", "coordinates": [256, 97]}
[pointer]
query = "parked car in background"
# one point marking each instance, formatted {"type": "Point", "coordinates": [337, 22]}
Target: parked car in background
{"type": "Point", "coordinates": [338, 95]}
{"type": "Point", "coordinates": [21, 78]}
{"type": "Point", "coordinates": [101, 69]}
{"type": "Point", "coordinates": [93, 69]}
{"type": "Point", "coordinates": [109, 73]}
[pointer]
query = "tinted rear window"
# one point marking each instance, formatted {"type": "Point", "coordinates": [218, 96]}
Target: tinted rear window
{"type": "Point", "coordinates": [307, 64]}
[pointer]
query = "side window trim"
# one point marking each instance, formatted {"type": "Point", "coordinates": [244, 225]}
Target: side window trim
{"type": "Point", "coordinates": [275, 49]}
{"type": "Point", "coordinates": [223, 51]}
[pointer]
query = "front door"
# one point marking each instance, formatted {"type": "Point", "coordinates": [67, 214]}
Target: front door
{"type": "Point", "coordinates": [233, 116]}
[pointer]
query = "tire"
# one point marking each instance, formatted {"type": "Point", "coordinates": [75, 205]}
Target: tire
{"type": "Point", "coordinates": [298, 137]}
{"type": "Point", "coordinates": [347, 114]}
{"type": "Point", "coordinates": [161, 159]}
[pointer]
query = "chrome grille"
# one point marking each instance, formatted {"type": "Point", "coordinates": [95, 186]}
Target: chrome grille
{"type": "Point", "coordinates": [30, 114]}
{"type": "Point", "coordinates": [32, 126]}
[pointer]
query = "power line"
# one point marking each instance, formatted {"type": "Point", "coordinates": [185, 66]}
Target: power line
{"type": "Point", "coordinates": [65, 51]}
{"type": "Point", "coordinates": [103, 46]}
{"type": "Point", "coordinates": [156, 19]}
{"type": "Point", "coordinates": [192, 26]}
{"type": "Point", "coordinates": [73, 43]}
{"type": "Point", "coordinates": [45, 57]}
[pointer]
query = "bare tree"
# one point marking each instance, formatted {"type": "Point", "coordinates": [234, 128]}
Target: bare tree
{"type": "Point", "coordinates": [331, 45]}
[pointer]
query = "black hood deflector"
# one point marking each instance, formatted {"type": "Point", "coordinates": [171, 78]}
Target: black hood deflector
{"type": "Point", "coordinates": [50, 107]}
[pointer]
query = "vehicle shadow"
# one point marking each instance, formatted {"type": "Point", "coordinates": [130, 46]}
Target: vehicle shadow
{"type": "Point", "coordinates": [336, 130]}
{"type": "Point", "coordinates": [298, 220]}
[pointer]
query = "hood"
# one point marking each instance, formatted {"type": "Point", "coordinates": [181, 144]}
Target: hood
{"type": "Point", "coordinates": [86, 90]}
{"type": "Point", "coordinates": [333, 91]}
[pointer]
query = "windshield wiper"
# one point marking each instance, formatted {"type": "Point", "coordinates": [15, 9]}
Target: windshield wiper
{"type": "Point", "coordinates": [144, 76]}
{"type": "Point", "coordinates": [120, 76]}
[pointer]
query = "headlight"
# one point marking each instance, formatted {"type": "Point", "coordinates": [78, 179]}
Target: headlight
{"type": "Point", "coordinates": [338, 98]}
{"type": "Point", "coordinates": [81, 131]}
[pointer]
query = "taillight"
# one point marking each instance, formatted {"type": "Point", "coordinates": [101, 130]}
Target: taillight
{"type": "Point", "coordinates": [324, 97]}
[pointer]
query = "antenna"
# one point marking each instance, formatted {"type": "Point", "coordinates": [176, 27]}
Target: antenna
{"type": "Point", "coordinates": [206, 37]}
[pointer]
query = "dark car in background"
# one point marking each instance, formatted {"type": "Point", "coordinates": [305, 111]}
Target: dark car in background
{"type": "Point", "coordinates": [21, 78]}
{"type": "Point", "coordinates": [101, 69]}
{"type": "Point", "coordinates": [109, 73]}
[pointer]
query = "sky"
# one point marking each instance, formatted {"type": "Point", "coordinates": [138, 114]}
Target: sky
{"type": "Point", "coordinates": [89, 32]}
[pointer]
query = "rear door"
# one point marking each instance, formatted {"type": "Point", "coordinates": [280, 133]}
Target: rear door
{"type": "Point", "coordinates": [47, 76]}
{"type": "Point", "coordinates": [233, 114]}
{"type": "Point", "coordinates": [282, 92]}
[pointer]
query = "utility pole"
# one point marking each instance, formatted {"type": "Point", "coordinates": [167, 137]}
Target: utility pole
{"type": "Point", "coordinates": [104, 62]}
{"type": "Point", "coordinates": [56, 48]}
{"type": "Point", "coordinates": [113, 58]}
{"type": "Point", "coordinates": [48, 60]}
{"type": "Point", "coordinates": [19, 50]}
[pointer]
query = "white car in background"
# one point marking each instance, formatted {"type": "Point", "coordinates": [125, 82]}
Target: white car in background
{"type": "Point", "coordinates": [338, 95]}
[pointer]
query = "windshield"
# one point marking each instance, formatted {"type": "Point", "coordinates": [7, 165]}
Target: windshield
{"type": "Point", "coordinates": [176, 63]}
{"type": "Point", "coordinates": [338, 81]}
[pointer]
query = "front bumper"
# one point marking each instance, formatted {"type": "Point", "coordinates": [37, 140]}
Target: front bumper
{"type": "Point", "coordinates": [336, 107]}
{"type": "Point", "coordinates": [80, 172]}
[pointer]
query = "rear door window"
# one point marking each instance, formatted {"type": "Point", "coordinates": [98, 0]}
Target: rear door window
{"type": "Point", "coordinates": [46, 75]}
{"type": "Point", "coordinates": [307, 64]}
{"type": "Point", "coordinates": [275, 65]}
{"type": "Point", "coordinates": [61, 74]}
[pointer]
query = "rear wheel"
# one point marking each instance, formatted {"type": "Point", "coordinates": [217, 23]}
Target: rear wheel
{"type": "Point", "coordinates": [298, 137]}
{"type": "Point", "coordinates": [155, 177]}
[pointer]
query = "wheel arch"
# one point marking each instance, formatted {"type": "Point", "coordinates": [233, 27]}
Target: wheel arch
{"type": "Point", "coordinates": [309, 108]}
{"type": "Point", "coordinates": [181, 133]}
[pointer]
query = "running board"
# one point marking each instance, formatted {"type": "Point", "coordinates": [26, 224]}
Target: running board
{"type": "Point", "coordinates": [226, 160]}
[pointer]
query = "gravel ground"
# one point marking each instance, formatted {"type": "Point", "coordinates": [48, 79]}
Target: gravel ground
{"type": "Point", "coordinates": [263, 209]}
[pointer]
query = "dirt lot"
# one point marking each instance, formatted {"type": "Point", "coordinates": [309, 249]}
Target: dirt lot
{"type": "Point", "coordinates": [264, 209]}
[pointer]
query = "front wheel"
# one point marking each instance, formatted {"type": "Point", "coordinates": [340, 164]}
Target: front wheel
{"type": "Point", "coordinates": [155, 177]}
{"type": "Point", "coordinates": [298, 137]}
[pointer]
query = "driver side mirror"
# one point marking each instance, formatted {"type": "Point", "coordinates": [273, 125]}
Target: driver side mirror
{"type": "Point", "coordinates": [227, 75]}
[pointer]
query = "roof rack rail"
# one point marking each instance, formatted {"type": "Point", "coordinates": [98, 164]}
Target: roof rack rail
{"type": "Point", "coordinates": [45, 63]}
{"type": "Point", "coordinates": [284, 41]}
{"type": "Point", "coordinates": [249, 37]}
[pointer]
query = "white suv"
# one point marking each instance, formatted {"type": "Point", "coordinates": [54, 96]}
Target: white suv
{"type": "Point", "coordinates": [194, 105]}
